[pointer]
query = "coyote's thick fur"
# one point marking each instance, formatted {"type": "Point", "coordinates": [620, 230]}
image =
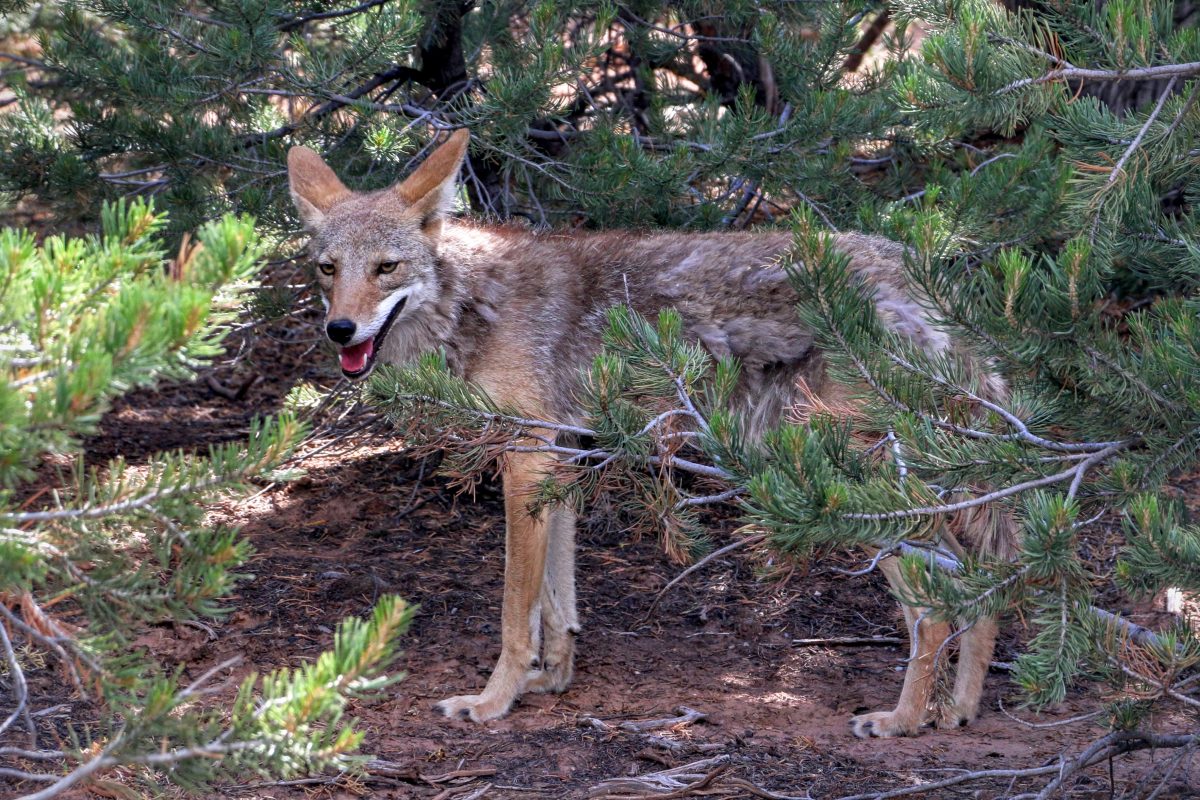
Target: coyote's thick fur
{"type": "Point", "coordinates": [520, 313]}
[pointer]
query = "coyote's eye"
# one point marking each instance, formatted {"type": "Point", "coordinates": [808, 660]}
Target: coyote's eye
{"type": "Point", "coordinates": [326, 267]}
{"type": "Point", "coordinates": [386, 267]}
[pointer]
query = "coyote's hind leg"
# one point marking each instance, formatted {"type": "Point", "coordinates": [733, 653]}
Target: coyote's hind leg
{"type": "Point", "coordinates": [974, 658]}
{"type": "Point", "coordinates": [920, 678]}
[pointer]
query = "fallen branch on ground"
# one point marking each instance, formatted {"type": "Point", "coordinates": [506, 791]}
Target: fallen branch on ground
{"type": "Point", "coordinates": [849, 641]}
{"type": "Point", "coordinates": [1101, 750]}
{"type": "Point", "coordinates": [686, 716]}
{"type": "Point", "coordinates": [668, 783]}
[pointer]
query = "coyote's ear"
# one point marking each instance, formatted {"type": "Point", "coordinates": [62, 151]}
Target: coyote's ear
{"type": "Point", "coordinates": [314, 186]}
{"type": "Point", "coordinates": [429, 191]}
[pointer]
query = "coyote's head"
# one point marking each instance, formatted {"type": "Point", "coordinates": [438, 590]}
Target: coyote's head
{"type": "Point", "coordinates": [375, 251]}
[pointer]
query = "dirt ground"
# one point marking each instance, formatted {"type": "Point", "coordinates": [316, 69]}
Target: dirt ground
{"type": "Point", "coordinates": [368, 520]}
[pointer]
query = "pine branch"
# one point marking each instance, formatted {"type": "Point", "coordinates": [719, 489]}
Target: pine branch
{"type": "Point", "coordinates": [360, 651]}
{"type": "Point", "coordinates": [1022, 433]}
{"type": "Point", "coordinates": [20, 688]}
{"type": "Point", "coordinates": [115, 509]}
{"type": "Point", "coordinates": [1119, 168]}
{"type": "Point", "coordinates": [1187, 70]}
{"type": "Point", "coordinates": [1090, 458]}
{"type": "Point", "coordinates": [293, 23]}
{"type": "Point", "coordinates": [1075, 473]}
{"type": "Point", "coordinates": [322, 110]}
{"type": "Point", "coordinates": [29, 62]}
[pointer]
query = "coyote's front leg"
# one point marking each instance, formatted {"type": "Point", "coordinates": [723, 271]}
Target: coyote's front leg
{"type": "Point", "coordinates": [525, 543]}
{"type": "Point", "coordinates": [560, 620]}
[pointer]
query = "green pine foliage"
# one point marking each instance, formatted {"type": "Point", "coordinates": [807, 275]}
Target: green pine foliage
{"type": "Point", "coordinates": [1122, 174]}
{"type": "Point", "coordinates": [1055, 452]}
{"type": "Point", "coordinates": [590, 114]}
{"type": "Point", "coordinates": [87, 554]}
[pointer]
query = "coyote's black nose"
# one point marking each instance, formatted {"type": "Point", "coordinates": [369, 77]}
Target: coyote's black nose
{"type": "Point", "coordinates": [340, 330]}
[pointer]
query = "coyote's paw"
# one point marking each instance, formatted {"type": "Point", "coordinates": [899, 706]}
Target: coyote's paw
{"type": "Point", "coordinates": [955, 716]}
{"type": "Point", "coordinates": [883, 724]}
{"type": "Point", "coordinates": [475, 707]}
{"type": "Point", "coordinates": [553, 678]}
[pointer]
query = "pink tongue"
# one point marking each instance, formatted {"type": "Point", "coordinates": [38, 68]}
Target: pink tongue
{"type": "Point", "coordinates": [354, 359]}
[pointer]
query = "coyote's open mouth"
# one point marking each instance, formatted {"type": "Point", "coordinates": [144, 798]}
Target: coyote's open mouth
{"type": "Point", "coordinates": [358, 360]}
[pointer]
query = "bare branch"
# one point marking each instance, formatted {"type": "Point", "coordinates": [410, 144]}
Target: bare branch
{"type": "Point", "coordinates": [999, 494]}
{"type": "Point", "coordinates": [1187, 70]}
{"type": "Point", "coordinates": [123, 507]}
{"type": "Point", "coordinates": [1141, 134]}
{"type": "Point", "coordinates": [29, 62]}
{"type": "Point", "coordinates": [721, 497]}
{"type": "Point", "coordinates": [729, 548]}
{"type": "Point", "coordinates": [20, 688]}
{"type": "Point", "coordinates": [1106, 747]}
{"type": "Point", "coordinates": [322, 110]}
{"type": "Point", "coordinates": [297, 22]}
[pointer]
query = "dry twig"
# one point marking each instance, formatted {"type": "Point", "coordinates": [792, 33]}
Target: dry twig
{"type": "Point", "coordinates": [849, 641]}
{"type": "Point", "coordinates": [668, 783]}
{"type": "Point", "coordinates": [729, 548]}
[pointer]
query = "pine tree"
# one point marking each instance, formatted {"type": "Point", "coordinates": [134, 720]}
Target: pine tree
{"type": "Point", "coordinates": [592, 115]}
{"type": "Point", "coordinates": [85, 559]}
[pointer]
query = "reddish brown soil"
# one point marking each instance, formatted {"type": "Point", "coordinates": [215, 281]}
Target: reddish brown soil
{"type": "Point", "coordinates": [362, 523]}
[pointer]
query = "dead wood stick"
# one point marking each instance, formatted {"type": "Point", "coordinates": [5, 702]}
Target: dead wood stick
{"type": "Point", "coordinates": [379, 771]}
{"type": "Point", "coordinates": [593, 722]}
{"type": "Point", "coordinates": [682, 746]}
{"type": "Point", "coordinates": [848, 641]}
{"type": "Point", "coordinates": [686, 716]}
{"type": "Point", "coordinates": [669, 783]}
{"type": "Point", "coordinates": [533, 789]}
{"type": "Point", "coordinates": [463, 792]}
{"type": "Point", "coordinates": [758, 791]}
{"type": "Point", "coordinates": [318, 780]}
{"type": "Point", "coordinates": [477, 772]}
{"type": "Point", "coordinates": [690, 789]}
{"type": "Point", "coordinates": [379, 766]}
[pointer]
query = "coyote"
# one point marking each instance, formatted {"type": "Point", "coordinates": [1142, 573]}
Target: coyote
{"type": "Point", "coordinates": [520, 313]}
